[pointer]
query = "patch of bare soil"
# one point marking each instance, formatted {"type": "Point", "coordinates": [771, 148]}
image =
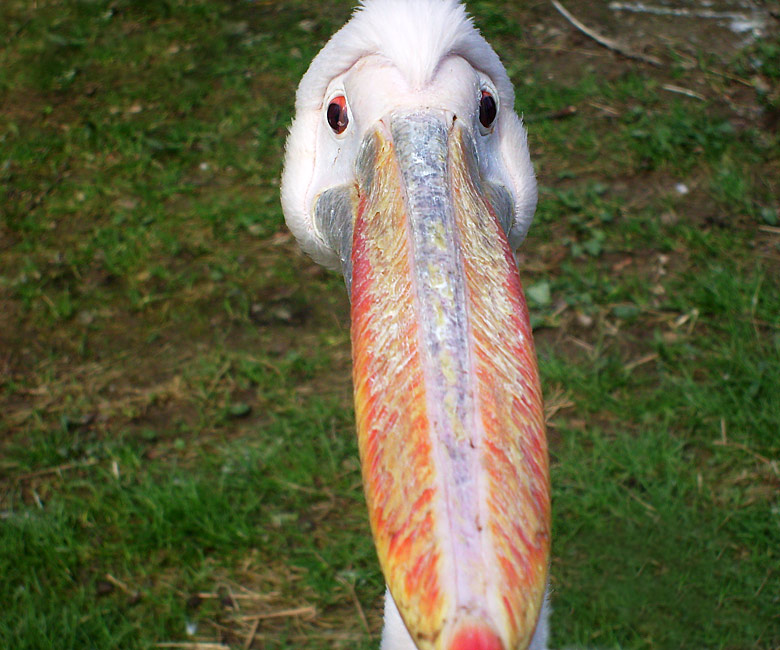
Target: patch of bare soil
{"type": "Point", "coordinates": [721, 28]}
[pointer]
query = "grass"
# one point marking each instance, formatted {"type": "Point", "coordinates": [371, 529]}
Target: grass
{"type": "Point", "coordinates": [177, 457]}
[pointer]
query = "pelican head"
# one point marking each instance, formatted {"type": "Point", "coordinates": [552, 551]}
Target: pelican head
{"type": "Point", "coordinates": [408, 170]}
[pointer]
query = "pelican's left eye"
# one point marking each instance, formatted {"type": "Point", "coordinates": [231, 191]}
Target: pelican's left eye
{"type": "Point", "coordinates": [337, 115]}
{"type": "Point", "coordinates": [487, 109]}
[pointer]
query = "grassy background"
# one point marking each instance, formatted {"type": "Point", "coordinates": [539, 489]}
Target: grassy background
{"type": "Point", "coordinates": [177, 456]}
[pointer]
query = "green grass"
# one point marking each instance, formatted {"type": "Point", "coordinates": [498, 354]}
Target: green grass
{"type": "Point", "coordinates": [176, 447]}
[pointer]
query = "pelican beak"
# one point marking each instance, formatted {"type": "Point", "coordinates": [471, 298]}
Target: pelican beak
{"type": "Point", "coordinates": [447, 396]}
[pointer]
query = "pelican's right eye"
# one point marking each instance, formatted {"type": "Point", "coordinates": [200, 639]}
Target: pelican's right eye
{"type": "Point", "coordinates": [338, 119]}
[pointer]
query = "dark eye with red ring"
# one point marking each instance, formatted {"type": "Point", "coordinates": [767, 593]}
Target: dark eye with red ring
{"type": "Point", "coordinates": [338, 119]}
{"type": "Point", "coordinates": [487, 109]}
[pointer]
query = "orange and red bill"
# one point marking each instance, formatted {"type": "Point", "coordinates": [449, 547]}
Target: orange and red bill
{"type": "Point", "coordinates": [447, 396]}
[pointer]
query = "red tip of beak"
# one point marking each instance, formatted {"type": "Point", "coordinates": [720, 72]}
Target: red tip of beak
{"type": "Point", "coordinates": [473, 637]}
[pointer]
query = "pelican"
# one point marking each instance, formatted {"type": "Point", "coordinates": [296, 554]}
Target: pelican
{"type": "Point", "coordinates": [407, 169]}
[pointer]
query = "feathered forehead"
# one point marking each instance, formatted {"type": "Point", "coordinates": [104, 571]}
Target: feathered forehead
{"type": "Point", "coordinates": [415, 35]}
